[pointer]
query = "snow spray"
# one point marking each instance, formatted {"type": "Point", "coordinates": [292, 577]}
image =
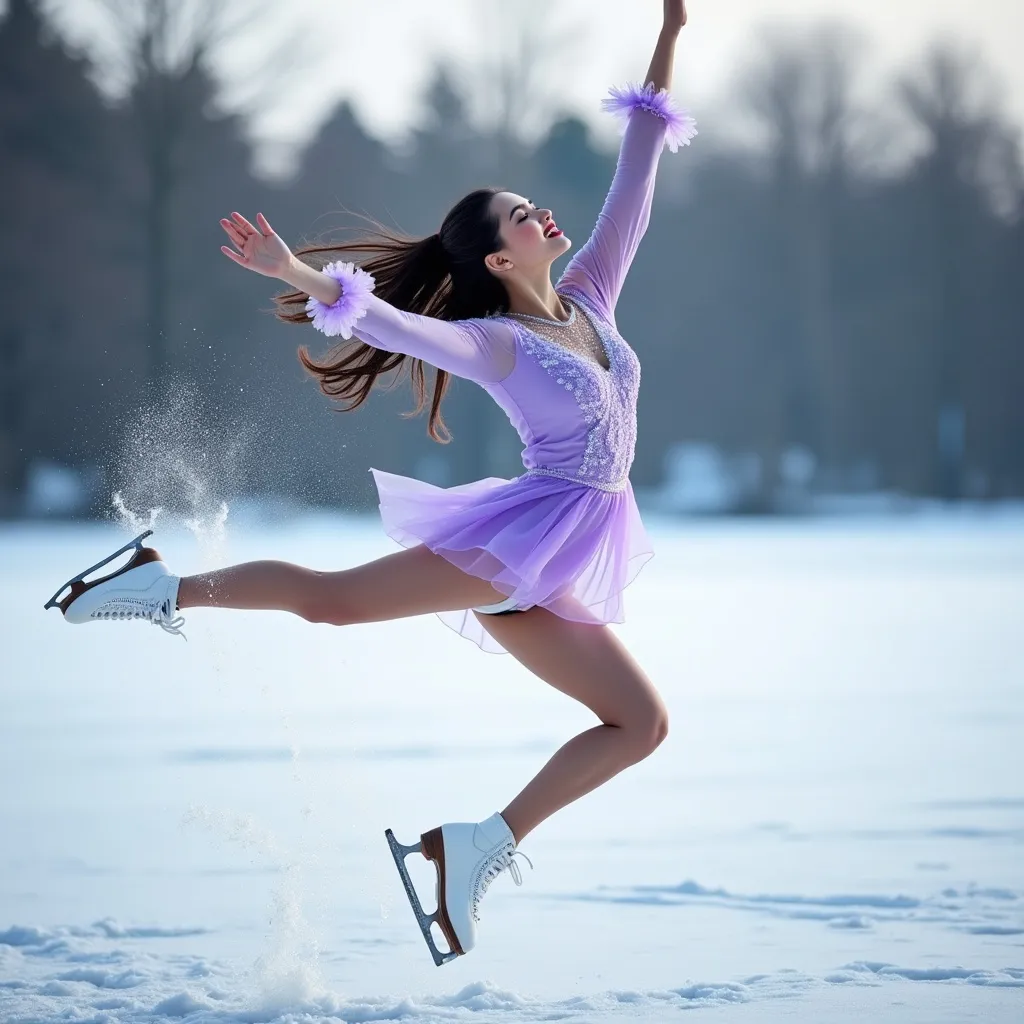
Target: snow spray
{"type": "Point", "coordinates": [180, 459]}
{"type": "Point", "coordinates": [288, 974]}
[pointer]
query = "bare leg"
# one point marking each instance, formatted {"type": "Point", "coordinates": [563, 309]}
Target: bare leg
{"type": "Point", "coordinates": [410, 582]}
{"type": "Point", "coordinates": [591, 665]}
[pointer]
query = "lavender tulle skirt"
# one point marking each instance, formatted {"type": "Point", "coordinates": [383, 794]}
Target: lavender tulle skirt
{"type": "Point", "coordinates": [540, 540]}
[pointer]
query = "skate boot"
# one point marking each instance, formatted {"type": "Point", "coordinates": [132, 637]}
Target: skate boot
{"type": "Point", "coordinates": [467, 857]}
{"type": "Point", "coordinates": [143, 589]}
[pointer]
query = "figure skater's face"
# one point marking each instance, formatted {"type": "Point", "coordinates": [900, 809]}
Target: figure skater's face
{"type": "Point", "coordinates": [529, 235]}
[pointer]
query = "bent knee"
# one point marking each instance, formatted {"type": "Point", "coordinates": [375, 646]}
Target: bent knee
{"type": "Point", "coordinates": [656, 728]}
{"type": "Point", "coordinates": [660, 728]}
{"type": "Point", "coordinates": [329, 614]}
{"type": "Point", "coordinates": [323, 616]}
{"type": "Point", "coordinates": [326, 603]}
{"type": "Point", "coordinates": [647, 729]}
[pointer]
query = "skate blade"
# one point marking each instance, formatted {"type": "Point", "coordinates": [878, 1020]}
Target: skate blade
{"type": "Point", "coordinates": [400, 852]}
{"type": "Point", "coordinates": [136, 543]}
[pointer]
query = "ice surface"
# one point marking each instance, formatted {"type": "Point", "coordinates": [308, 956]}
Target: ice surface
{"type": "Point", "coordinates": [834, 827]}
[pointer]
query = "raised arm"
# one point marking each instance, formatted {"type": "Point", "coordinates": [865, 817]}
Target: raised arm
{"type": "Point", "coordinates": [652, 121]}
{"type": "Point", "coordinates": [342, 303]}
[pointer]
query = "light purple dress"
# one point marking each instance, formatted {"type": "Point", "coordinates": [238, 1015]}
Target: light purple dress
{"type": "Point", "coordinates": [567, 533]}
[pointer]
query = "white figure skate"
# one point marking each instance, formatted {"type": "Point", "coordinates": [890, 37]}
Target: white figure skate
{"type": "Point", "coordinates": [467, 857]}
{"type": "Point", "coordinates": [142, 589]}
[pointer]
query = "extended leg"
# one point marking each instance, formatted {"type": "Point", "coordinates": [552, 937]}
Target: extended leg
{"type": "Point", "coordinates": [414, 581]}
{"type": "Point", "coordinates": [591, 665]}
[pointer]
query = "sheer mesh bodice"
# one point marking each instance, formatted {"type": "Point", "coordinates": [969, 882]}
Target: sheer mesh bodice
{"type": "Point", "coordinates": [577, 333]}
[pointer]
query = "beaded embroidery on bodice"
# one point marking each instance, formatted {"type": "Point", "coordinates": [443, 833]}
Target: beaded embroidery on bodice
{"type": "Point", "coordinates": [577, 334]}
{"type": "Point", "coordinates": [606, 397]}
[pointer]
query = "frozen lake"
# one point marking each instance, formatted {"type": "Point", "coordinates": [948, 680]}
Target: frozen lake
{"type": "Point", "coordinates": [834, 827]}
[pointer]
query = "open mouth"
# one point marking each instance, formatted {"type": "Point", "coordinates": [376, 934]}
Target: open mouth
{"type": "Point", "coordinates": [552, 233]}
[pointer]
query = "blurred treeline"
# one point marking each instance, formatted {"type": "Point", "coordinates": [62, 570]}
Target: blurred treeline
{"type": "Point", "coordinates": [806, 292]}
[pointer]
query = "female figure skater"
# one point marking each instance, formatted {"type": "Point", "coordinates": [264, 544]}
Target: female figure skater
{"type": "Point", "coordinates": [534, 566]}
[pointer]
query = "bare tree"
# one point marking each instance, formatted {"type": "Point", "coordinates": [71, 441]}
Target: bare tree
{"type": "Point", "coordinates": [160, 54]}
{"type": "Point", "coordinates": [800, 92]}
{"type": "Point", "coordinates": [954, 103]}
{"type": "Point", "coordinates": [800, 89]}
{"type": "Point", "coordinates": [527, 56]}
{"type": "Point", "coordinates": [970, 166]}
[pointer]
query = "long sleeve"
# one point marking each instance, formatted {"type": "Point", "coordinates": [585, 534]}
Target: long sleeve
{"type": "Point", "coordinates": [480, 350]}
{"type": "Point", "coordinates": [599, 268]}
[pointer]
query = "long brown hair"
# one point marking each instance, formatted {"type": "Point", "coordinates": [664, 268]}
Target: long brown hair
{"type": "Point", "coordinates": [441, 277]}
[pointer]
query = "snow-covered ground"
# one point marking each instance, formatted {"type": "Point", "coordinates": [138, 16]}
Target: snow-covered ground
{"type": "Point", "coordinates": [834, 827]}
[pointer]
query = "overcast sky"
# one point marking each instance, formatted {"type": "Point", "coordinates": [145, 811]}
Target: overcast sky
{"type": "Point", "coordinates": [379, 52]}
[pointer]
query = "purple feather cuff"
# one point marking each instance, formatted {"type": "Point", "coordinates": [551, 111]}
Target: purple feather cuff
{"type": "Point", "coordinates": [341, 315]}
{"type": "Point", "coordinates": [622, 102]}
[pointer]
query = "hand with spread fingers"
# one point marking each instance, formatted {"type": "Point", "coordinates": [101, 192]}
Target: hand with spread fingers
{"type": "Point", "coordinates": [256, 248]}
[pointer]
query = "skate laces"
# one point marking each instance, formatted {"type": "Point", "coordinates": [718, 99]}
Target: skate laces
{"type": "Point", "coordinates": [161, 616]}
{"type": "Point", "coordinates": [156, 611]}
{"type": "Point", "coordinates": [502, 860]}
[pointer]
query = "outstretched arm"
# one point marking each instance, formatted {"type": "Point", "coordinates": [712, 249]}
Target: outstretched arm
{"type": "Point", "coordinates": [599, 268]}
{"type": "Point", "coordinates": [343, 303]}
{"type": "Point", "coordinates": [659, 74]}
